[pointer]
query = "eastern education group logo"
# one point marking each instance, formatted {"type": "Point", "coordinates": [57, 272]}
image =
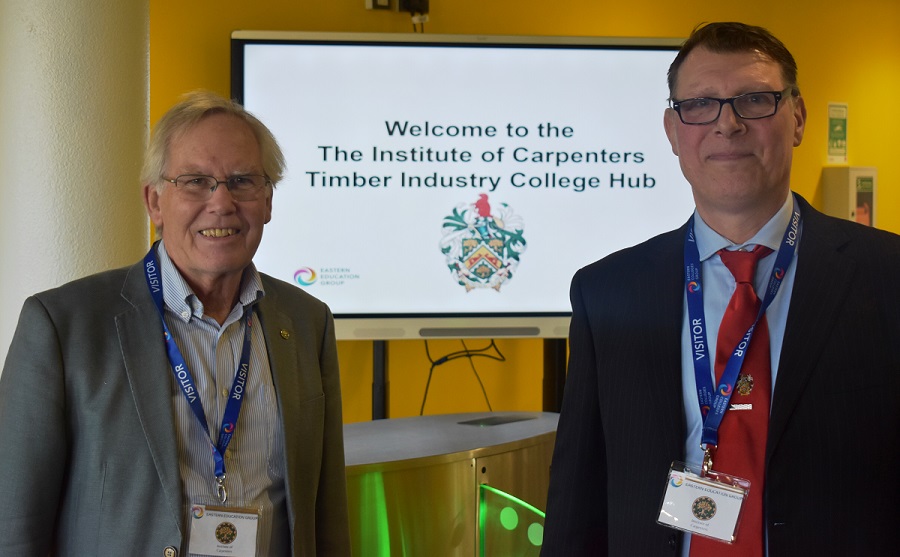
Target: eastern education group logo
{"type": "Point", "coordinates": [703, 508]}
{"type": "Point", "coordinates": [226, 533]}
{"type": "Point", "coordinates": [481, 244]}
{"type": "Point", "coordinates": [197, 511]}
{"type": "Point", "coordinates": [327, 276]}
{"type": "Point", "coordinates": [305, 276]}
{"type": "Point", "coordinates": [676, 480]}
{"type": "Point", "coordinates": [693, 287]}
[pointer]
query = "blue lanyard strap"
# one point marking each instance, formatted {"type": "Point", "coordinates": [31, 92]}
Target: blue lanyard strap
{"type": "Point", "coordinates": [714, 402]}
{"type": "Point", "coordinates": [185, 380]}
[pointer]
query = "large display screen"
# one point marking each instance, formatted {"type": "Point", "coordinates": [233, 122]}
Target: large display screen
{"type": "Point", "coordinates": [452, 185]}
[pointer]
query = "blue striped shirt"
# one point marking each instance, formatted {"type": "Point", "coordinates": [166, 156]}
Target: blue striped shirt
{"type": "Point", "coordinates": [254, 461]}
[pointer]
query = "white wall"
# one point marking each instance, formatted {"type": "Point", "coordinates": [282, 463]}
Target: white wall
{"type": "Point", "coordinates": [73, 122]}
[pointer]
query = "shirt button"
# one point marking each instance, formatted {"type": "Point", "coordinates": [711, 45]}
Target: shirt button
{"type": "Point", "coordinates": [170, 552]}
{"type": "Point", "coordinates": [185, 314]}
{"type": "Point", "coordinates": [224, 392]}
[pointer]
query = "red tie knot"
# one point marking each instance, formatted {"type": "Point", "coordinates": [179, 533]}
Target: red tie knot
{"type": "Point", "coordinates": [742, 264]}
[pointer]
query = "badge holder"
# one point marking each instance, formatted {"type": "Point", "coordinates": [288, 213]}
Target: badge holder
{"type": "Point", "coordinates": [223, 531]}
{"type": "Point", "coordinates": [703, 504]}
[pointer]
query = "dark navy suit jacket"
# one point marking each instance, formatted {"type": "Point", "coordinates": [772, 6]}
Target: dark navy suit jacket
{"type": "Point", "coordinates": [833, 454]}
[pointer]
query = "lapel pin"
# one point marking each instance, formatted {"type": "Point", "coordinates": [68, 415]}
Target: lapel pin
{"type": "Point", "coordinates": [744, 384]}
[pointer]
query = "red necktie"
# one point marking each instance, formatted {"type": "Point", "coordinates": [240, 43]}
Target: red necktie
{"type": "Point", "coordinates": [742, 436]}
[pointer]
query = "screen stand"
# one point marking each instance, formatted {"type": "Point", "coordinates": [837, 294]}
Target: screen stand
{"type": "Point", "coordinates": [379, 379]}
{"type": "Point", "coordinates": [554, 376]}
{"type": "Point", "coordinates": [554, 373]}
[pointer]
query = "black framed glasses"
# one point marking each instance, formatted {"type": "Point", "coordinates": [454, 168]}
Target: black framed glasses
{"type": "Point", "coordinates": [199, 187]}
{"type": "Point", "coordinates": [749, 106]}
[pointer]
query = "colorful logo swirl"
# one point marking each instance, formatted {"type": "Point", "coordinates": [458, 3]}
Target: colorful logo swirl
{"type": "Point", "coordinates": [779, 273]}
{"type": "Point", "coordinates": [693, 286]}
{"type": "Point", "coordinates": [305, 276]}
{"type": "Point", "coordinates": [676, 480]}
{"type": "Point", "coordinates": [704, 410]}
{"type": "Point", "coordinates": [725, 389]}
{"type": "Point", "coordinates": [197, 511]}
{"type": "Point", "coordinates": [228, 428]}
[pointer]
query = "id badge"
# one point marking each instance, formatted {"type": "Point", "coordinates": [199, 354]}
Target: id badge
{"type": "Point", "coordinates": [218, 531]}
{"type": "Point", "coordinates": [707, 506]}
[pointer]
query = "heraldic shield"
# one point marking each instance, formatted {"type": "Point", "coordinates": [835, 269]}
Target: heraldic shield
{"type": "Point", "coordinates": [482, 247]}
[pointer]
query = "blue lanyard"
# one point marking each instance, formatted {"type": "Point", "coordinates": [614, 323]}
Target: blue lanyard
{"type": "Point", "coordinates": [186, 381]}
{"type": "Point", "coordinates": [714, 403]}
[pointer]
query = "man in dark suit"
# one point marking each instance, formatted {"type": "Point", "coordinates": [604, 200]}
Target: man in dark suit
{"type": "Point", "coordinates": [829, 460]}
{"type": "Point", "coordinates": [187, 405]}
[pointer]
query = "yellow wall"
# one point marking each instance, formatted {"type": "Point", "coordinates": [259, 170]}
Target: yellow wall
{"type": "Point", "coordinates": [847, 52]}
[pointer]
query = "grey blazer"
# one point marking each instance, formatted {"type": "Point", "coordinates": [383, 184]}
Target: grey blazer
{"type": "Point", "coordinates": [88, 459]}
{"type": "Point", "coordinates": [833, 450]}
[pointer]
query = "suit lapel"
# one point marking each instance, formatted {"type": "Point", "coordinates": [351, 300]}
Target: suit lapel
{"type": "Point", "coordinates": [281, 343]}
{"type": "Point", "coordinates": [148, 369]}
{"type": "Point", "coordinates": [667, 302]}
{"type": "Point", "coordinates": [822, 281]}
{"type": "Point", "coordinates": [281, 337]}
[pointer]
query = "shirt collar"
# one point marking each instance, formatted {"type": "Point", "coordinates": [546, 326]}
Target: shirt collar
{"type": "Point", "coordinates": [770, 235]}
{"type": "Point", "coordinates": [180, 298]}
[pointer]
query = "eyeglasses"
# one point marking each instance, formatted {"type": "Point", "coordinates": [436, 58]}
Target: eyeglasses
{"type": "Point", "coordinates": [749, 106]}
{"type": "Point", "coordinates": [199, 187]}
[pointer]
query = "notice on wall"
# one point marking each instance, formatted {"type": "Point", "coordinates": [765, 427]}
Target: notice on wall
{"type": "Point", "coordinates": [864, 184]}
{"type": "Point", "coordinates": [837, 133]}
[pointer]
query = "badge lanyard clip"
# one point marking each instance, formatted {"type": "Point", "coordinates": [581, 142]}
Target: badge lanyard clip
{"type": "Point", "coordinates": [220, 489]}
{"type": "Point", "coordinates": [709, 451]}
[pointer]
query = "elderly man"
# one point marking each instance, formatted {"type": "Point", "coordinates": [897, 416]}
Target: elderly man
{"type": "Point", "coordinates": [186, 405]}
{"type": "Point", "coordinates": [701, 390]}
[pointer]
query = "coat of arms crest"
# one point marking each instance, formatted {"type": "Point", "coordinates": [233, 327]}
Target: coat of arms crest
{"type": "Point", "coordinates": [482, 245]}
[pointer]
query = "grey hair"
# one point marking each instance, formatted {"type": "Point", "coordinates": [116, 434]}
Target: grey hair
{"type": "Point", "coordinates": [192, 108]}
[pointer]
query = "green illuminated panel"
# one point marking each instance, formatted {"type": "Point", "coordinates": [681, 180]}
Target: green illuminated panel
{"type": "Point", "coordinates": [508, 525]}
{"type": "Point", "coordinates": [374, 527]}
